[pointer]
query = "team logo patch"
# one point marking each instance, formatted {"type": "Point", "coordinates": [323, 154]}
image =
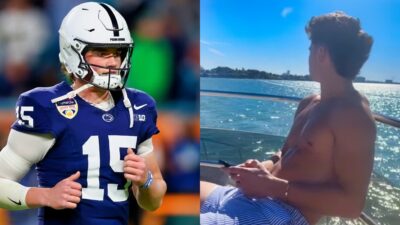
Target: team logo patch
{"type": "Point", "coordinates": [68, 108]}
{"type": "Point", "coordinates": [108, 117]}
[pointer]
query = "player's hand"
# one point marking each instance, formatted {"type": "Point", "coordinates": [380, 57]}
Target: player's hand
{"type": "Point", "coordinates": [66, 194]}
{"type": "Point", "coordinates": [135, 168]}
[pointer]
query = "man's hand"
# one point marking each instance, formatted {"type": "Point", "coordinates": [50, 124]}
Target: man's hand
{"type": "Point", "coordinates": [66, 194]}
{"type": "Point", "coordinates": [250, 163]}
{"type": "Point", "coordinates": [253, 163]}
{"type": "Point", "coordinates": [135, 168]}
{"type": "Point", "coordinates": [254, 180]}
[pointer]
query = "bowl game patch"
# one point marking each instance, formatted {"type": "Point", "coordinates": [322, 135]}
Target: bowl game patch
{"type": "Point", "coordinates": [67, 108]}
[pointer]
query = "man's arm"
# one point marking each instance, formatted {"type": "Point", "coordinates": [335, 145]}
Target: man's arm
{"type": "Point", "coordinates": [151, 198]}
{"type": "Point", "coordinates": [21, 152]}
{"type": "Point", "coordinates": [137, 168]}
{"type": "Point", "coordinates": [15, 162]}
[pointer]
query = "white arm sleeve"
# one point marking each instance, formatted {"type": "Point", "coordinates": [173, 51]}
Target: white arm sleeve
{"type": "Point", "coordinates": [145, 147]}
{"type": "Point", "coordinates": [21, 152]}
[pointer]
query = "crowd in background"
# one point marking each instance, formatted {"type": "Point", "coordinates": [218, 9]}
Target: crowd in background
{"type": "Point", "coordinates": [165, 64]}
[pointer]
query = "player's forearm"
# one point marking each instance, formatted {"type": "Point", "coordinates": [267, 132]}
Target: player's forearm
{"type": "Point", "coordinates": [330, 200]}
{"type": "Point", "coordinates": [15, 162]}
{"type": "Point", "coordinates": [37, 197]}
{"type": "Point", "coordinates": [151, 198]}
{"type": "Point", "coordinates": [12, 195]}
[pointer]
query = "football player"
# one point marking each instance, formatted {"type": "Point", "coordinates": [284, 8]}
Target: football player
{"type": "Point", "coordinates": [91, 141]}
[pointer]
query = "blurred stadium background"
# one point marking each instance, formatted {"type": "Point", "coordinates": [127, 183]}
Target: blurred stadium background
{"type": "Point", "coordinates": [165, 64]}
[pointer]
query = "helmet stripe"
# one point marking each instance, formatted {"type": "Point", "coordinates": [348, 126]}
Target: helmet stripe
{"type": "Point", "coordinates": [113, 19]}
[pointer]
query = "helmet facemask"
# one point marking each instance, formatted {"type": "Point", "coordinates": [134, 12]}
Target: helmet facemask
{"type": "Point", "coordinates": [115, 78]}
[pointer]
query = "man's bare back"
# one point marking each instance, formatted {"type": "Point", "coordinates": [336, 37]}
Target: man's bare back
{"type": "Point", "coordinates": [310, 154]}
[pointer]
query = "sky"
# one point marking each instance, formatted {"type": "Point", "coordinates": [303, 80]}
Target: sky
{"type": "Point", "coordinates": [269, 35]}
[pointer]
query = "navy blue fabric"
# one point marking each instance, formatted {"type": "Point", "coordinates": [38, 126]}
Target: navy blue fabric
{"type": "Point", "coordinates": [66, 156]}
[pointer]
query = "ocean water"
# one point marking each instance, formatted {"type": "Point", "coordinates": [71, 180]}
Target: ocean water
{"type": "Point", "coordinates": [275, 118]}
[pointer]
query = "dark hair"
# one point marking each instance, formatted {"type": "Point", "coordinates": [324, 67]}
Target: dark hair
{"type": "Point", "coordinates": [347, 44]}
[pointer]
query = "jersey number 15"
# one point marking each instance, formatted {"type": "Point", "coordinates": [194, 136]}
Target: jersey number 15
{"type": "Point", "coordinates": [92, 149]}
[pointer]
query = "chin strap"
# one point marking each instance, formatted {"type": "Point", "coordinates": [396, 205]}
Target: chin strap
{"type": "Point", "coordinates": [128, 105]}
{"type": "Point", "coordinates": [72, 93]}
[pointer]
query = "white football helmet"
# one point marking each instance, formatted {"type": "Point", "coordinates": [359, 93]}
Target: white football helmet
{"type": "Point", "coordinates": [95, 25]}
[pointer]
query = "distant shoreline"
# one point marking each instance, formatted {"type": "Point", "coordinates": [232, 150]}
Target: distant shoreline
{"type": "Point", "coordinates": [358, 82]}
{"type": "Point", "coordinates": [226, 72]}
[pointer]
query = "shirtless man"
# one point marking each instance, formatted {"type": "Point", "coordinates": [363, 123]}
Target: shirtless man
{"type": "Point", "coordinates": [324, 167]}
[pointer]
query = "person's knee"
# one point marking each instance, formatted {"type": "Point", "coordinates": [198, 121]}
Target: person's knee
{"type": "Point", "coordinates": [205, 190]}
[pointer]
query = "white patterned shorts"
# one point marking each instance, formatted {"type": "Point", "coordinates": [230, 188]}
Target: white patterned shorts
{"type": "Point", "coordinates": [229, 206]}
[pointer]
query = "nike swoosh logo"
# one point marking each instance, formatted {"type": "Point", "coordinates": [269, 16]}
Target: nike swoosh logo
{"type": "Point", "coordinates": [139, 107]}
{"type": "Point", "coordinates": [17, 203]}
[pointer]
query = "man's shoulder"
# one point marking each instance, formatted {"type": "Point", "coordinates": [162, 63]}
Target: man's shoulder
{"type": "Point", "coordinates": [352, 115]}
{"type": "Point", "coordinates": [36, 112]}
{"type": "Point", "coordinates": [351, 107]}
{"type": "Point", "coordinates": [306, 101]}
{"type": "Point", "coordinates": [313, 97]}
{"type": "Point", "coordinates": [43, 95]}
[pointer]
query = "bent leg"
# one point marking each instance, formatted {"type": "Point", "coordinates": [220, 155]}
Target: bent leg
{"type": "Point", "coordinates": [205, 189]}
{"type": "Point", "coordinates": [229, 206]}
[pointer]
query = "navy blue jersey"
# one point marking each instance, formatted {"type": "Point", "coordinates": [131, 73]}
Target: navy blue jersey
{"type": "Point", "coordinates": [88, 140]}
